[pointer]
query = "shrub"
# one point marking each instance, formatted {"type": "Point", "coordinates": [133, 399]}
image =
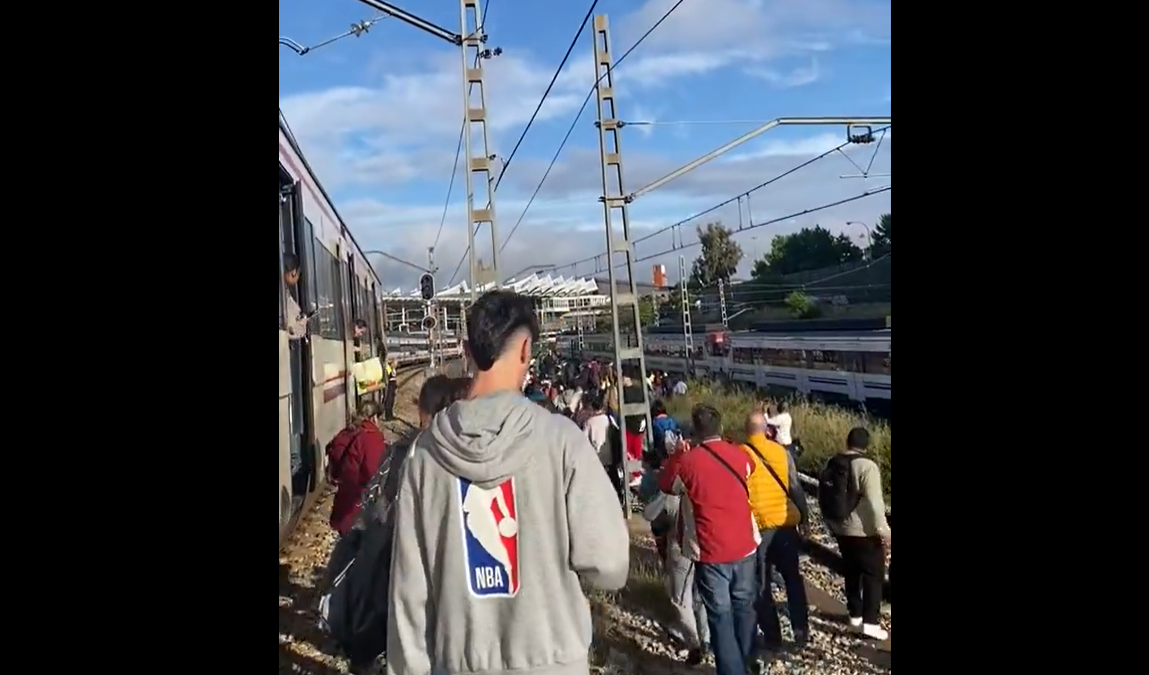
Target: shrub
{"type": "Point", "coordinates": [822, 428]}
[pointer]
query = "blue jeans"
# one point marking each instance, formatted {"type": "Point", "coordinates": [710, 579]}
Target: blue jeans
{"type": "Point", "coordinates": [779, 549]}
{"type": "Point", "coordinates": [728, 591]}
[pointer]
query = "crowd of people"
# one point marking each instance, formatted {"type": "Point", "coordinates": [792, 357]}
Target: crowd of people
{"type": "Point", "coordinates": [467, 547]}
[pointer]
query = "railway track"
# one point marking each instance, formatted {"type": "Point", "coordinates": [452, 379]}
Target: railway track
{"type": "Point", "coordinates": [303, 647]}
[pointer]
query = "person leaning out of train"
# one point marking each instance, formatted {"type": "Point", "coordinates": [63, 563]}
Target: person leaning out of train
{"type": "Point", "coordinates": [355, 466]}
{"type": "Point", "coordinates": [357, 345]}
{"type": "Point", "coordinates": [296, 319]}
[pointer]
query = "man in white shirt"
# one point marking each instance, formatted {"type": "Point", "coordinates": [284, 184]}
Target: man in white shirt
{"type": "Point", "coordinates": [784, 424]}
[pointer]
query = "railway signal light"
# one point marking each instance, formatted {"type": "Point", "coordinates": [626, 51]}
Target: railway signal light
{"type": "Point", "coordinates": [427, 286]}
{"type": "Point", "coordinates": [429, 322]}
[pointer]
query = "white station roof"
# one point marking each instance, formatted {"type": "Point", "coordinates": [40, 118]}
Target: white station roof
{"type": "Point", "coordinates": [534, 285]}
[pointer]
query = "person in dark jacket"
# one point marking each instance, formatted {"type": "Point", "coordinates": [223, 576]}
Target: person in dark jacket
{"type": "Point", "coordinates": [354, 467]}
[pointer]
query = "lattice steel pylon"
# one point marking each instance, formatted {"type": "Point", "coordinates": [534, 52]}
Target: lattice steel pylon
{"type": "Point", "coordinates": [614, 199]}
{"type": "Point", "coordinates": [687, 329]}
{"type": "Point", "coordinates": [479, 160]}
{"type": "Point", "coordinates": [722, 302]}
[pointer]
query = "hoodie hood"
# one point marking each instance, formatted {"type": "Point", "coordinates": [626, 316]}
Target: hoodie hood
{"type": "Point", "coordinates": [482, 439]}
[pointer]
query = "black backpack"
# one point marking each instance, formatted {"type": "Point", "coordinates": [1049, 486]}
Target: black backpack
{"type": "Point", "coordinates": [837, 491]}
{"type": "Point", "coordinates": [353, 608]}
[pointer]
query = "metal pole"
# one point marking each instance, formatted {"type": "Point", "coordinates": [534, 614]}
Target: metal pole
{"type": "Point", "coordinates": [755, 133]}
{"type": "Point", "coordinates": [613, 200]}
{"type": "Point", "coordinates": [478, 158]}
{"type": "Point", "coordinates": [687, 329]}
{"type": "Point", "coordinates": [722, 302]}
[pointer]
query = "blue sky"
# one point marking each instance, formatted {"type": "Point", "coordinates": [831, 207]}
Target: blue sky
{"type": "Point", "coordinates": [378, 117]}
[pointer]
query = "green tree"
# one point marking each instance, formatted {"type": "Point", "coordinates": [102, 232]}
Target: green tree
{"type": "Point", "coordinates": [647, 310]}
{"type": "Point", "coordinates": [806, 249]}
{"type": "Point", "coordinates": [803, 306]}
{"type": "Point", "coordinates": [880, 241]}
{"type": "Point", "coordinates": [720, 255]}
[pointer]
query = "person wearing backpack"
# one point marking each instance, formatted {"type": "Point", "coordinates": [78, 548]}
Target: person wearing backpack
{"type": "Point", "coordinates": [850, 496]}
{"type": "Point", "coordinates": [353, 609]}
{"type": "Point", "coordinates": [356, 465]}
{"type": "Point", "coordinates": [660, 425]}
{"type": "Point", "coordinates": [779, 507]}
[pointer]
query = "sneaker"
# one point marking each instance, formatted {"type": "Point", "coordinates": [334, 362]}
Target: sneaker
{"type": "Point", "coordinates": [694, 657]}
{"type": "Point", "coordinates": [875, 631]}
{"type": "Point", "coordinates": [855, 622]}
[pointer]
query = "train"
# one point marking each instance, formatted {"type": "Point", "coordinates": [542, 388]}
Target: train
{"type": "Point", "coordinates": [837, 366]}
{"type": "Point", "coordinates": [338, 285]}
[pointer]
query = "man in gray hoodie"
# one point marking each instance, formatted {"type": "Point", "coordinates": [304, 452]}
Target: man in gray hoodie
{"type": "Point", "coordinates": [503, 508]}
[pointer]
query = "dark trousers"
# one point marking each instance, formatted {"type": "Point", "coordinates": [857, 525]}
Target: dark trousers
{"type": "Point", "coordinates": [779, 549]}
{"type": "Point", "coordinates": [728, 591]}
{"type": "Point", "coordinates": [389, 400]}
{"type": "Point", "coordinates": [864, 560]}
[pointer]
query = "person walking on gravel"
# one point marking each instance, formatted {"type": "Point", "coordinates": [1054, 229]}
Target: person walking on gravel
{"type": "Point", "coordinates": [503, 513]}
{"type": "Point", "coordinates": [779, 506]}
{"type": "Point", "coordinates": [720, 535]}
{"type": "Point", "coordinates": [850, 497]}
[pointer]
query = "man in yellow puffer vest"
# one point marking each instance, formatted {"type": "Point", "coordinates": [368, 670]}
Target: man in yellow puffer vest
{"type": "Point", "coordinates": [779, 506]}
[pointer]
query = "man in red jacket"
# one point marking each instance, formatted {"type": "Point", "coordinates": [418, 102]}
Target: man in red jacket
{"type": "Point", "coordinates": [719, 534]}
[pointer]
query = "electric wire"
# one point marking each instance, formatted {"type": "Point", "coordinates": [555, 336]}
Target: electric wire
{"type": "Point", "coordinates": [772, 221]}
{"type": "Point", "coordinates": [733, 199]}
{"type": "Point", "coordinates": [554, 78]}
{"type": "Point", "coordinates": [357, 29]}
{"type": "Point", "coordinates": [578, 117]}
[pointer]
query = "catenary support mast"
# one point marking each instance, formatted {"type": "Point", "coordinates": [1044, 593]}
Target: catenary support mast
{"type": "Point", "coordinates": [628, 348]}
{"type": "Point", "coordinates": [477, 143]}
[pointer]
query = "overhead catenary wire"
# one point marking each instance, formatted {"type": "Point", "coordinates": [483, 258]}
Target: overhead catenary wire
{"type": "Point", "coordinates": [727, 202]}
{"type": "Point", "coordinates": [358, 28]}
{"type": "Point", "coordinates": [554, 78]}
{"type": "Point", "coordinates": [772, 221]}
{"type": "Point", "coordinates": [578, 116]}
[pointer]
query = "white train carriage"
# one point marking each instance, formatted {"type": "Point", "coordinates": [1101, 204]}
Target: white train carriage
{"type": "Point", "coordinates": [853, 366]}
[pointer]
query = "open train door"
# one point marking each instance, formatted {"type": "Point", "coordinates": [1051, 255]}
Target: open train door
{"type": "Point", "coordinates": [295, 235]}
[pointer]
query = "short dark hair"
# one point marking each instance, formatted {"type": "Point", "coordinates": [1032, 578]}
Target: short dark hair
{"type": "Point", "coordinates": [493, 321]}
{"type": "Point", "coordinates": [706, 420]}
{"type": "Point", "coordinates": [858, 439]}
{"type": "Point", "coordinates": [290, 262]}
{"type": "Point", "coordinates": [658, 407]}
{"type": "Point", "coordinates": [440, 391]}
{"type": "Point", "coordinates": [361, 323]}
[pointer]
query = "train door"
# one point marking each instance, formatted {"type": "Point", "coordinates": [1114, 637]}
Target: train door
{"type": "Point", "coordinates": [295, 234]}
{"type": "Point", "coordinates": [364, 342]}
{"type": "Point", "coordinates": [341, 323]}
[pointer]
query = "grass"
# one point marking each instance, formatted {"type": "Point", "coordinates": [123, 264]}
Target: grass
{"type": "Point", "coordinates": [822, 428]}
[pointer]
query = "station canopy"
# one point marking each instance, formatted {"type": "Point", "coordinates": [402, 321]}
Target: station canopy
{"type": "Point", "coordinates": [534, 285]}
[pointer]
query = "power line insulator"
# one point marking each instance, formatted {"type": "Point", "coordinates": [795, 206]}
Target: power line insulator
{"type": "Point", "coordinates": [859, 134]}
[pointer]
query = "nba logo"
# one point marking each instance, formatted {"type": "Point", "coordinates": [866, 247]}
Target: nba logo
{"type": "Point", "coordinates": [490, 538]}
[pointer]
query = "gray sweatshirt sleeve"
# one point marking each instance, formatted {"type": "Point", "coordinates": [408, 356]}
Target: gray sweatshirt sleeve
{"type": "Point", "coordinates": [599, 538]}
{"type": "Point", "coordinates": [409, 612]}
{"type": "Point", "coordinates": [872, 509]}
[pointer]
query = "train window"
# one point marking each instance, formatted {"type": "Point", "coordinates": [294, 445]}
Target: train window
{"type": "Point", "coordinates": [785, 358]}
{"type": "Point", "coordinates": [876, 363]}
{"type": "Point", "coordinates": [309, 274]}
{"type": "Point", "coordinates": [743, 355]}
{"type": "Point", "coordinates": [282, 323]}
{"type": "Point", "coordinates": [338, 300]}
{"type": "Point", "coordinates": [825, 360]}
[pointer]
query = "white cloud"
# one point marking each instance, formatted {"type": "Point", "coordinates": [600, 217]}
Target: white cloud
{"type": "Point", "coordinates": [797, 77]}
{"type": "Point", "coordinates": [401, 127]}
{"type": "Point", "coordinates": [565, 223]}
